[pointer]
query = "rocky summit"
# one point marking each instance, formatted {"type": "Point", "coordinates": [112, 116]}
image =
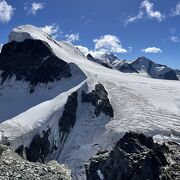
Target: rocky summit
{"type": "Point", "coordinates": [13, 167]}
{"type": "Point", "coordinates": [32, 61]}
{"type": "Point", "coordinates": [136, 157]}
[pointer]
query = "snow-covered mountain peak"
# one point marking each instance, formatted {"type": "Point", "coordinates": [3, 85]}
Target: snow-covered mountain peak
{"type": "Point", "coordinates": [23, 32]}
{"type": "Point", "coordinates": [142, 61]}
{"type": "Point", "coordinates": [109, 57]}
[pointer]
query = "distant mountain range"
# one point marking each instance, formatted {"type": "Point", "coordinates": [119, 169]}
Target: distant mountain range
{"type": "Point", "coordinates": [141, 65]}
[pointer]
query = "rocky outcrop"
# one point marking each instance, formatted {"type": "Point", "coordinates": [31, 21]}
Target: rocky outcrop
{"type": "Point", "coordinates": [135, 157]}
{"type": "Point", "coordinates": [32, 61]}
{"type": "Point", "coordinates": [14, 167]}
{"type": "Point", "coordinates": [124, 67]}
{"type": "Point", "coordinates": [173, 157]}
{"type": "Point", "coordinates": [99, 61]}
{"type": "Point", "coordinates": [91, 58]}
{"type": "Point", "coordinates": [99, 99]}
{"type": "Point", "coordinates": [177, 73]}
{"type": "Point", "coordinates": [68, 118]}
{"type": "Point", "coordinates": [39, 147]}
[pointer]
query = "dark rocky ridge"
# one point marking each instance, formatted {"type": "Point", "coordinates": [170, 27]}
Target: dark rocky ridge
{"type": "Point", "coordinates": [91, 58]}
{"type": "Point", "coordinates": [39, 149]}
{"type": "Point", "coordinates": [68, 118]}
{"type": "Point", "coordinates": [32, 61]}
{"type": "Point", "coordinates": [106, 65]}
{"type": "Point", "coordinates": [136, 157]}
{"type": "Point", "coordinates": [126, 68]}
{"type": "Point", "coordinates": [99, 99]}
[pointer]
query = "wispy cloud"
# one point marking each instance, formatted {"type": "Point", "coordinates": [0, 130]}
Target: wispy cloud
{"type": "Point", "coordinates": [72, 37]}
{"type": "Point", "coordinates": [109, 43]}
{"type": "Point", "coordinates": [173, 36]}
{"type": "Point", "coordinates": [6, 11]}
{"type": "Point", "coordinates": [151, 13]}
{"type": "Point", "coordinates": [34, 7]}
{"type": "Point", "coordinates": [53, 30]}
{"type": "Point", "coordinates": [131, 19]}
{"type": "Point", "coordinates": [176, 11]}
{"type": "Point", "coordinates": [173, 30]}
{"type": "Point", "coordinates": [174, 39]}
{"type": "Point", "coordinates": [85, 20]}
{"type": "Point", "coordinates": [152, 50]}
{"type": "Point", "coordinates": [147, 8]}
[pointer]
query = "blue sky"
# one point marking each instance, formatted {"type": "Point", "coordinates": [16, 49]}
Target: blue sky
{"type": "Point", "coordinates": [128, 28]}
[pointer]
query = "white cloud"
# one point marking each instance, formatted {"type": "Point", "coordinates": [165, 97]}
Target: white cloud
{"type": "Point", "coordinates": [35, 7]}
{"type": "Point", "coordinates": [86, 51]}
{"type": "Point", "coordinates": [6, 11]}
{"type": "Point", "coordinates": [176, 11]}
{"type": "Point", "coordinates": [131, 19]}
{"type": "Point", "coordinates": [104, 44]}
{"type": "Point", "coordinates": [174, 39]}
{"type": "Point", "coordinates": [146, 7]}
{"type": "Point", "coordinates": [149, 7]}
{"type": "Point", "coordinates": [152, 50]}
{"type": "Point", "coordinates": [109, 43]}
{"type": "Point", "coordinates": [53, 30]}
{"type": "Point", "coordinates": [72, 37]}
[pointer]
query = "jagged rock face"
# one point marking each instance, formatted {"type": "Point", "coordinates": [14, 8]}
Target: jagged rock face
{"type": "Point", "coordinates": [91, 58]}
{"type": "Point", "coordinates": [106, 65]}
{"type": "Point", "coordinates": [125, 67]}
{"type": "Point", "coordinates": [170, 75]}
{"type": "Point", "coordinates": [109, 57]}
{"type": "Point", "coordinates": [32, 61]}
{"type": "Point", "coordinates": [39, 147]}
{"type": "Point", "coordinates": [68, 118]}
{"type": "Point", "coordinates": [43, 145]}
{"type": "Point", "coordinates": [173, 155]}
{"type": "Point", "coordinates": [13, 167]}
{"type": "Point", "coordinates": [134, 157]}
{"type": "Point", "coordinates": [177, 73]}
{"type": "Point", "coordinates": [99, 99]}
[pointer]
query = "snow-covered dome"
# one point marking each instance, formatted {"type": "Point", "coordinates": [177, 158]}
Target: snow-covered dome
{"type": "Point", "coordinates": [23, 32]}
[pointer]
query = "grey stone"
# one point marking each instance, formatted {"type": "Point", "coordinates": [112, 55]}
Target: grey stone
{"type": "Point", "coordinates": [136, 157]}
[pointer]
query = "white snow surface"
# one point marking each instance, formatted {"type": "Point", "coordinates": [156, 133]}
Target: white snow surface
{"type": "Point", "coordinates": [140, 104]}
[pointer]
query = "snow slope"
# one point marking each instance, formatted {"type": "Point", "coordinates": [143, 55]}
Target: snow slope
{"type": "Point", "coordinates": [141, 104]}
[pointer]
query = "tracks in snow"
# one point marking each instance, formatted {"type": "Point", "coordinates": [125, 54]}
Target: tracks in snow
{"type": "Point", "coordinates": [136, 113]}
